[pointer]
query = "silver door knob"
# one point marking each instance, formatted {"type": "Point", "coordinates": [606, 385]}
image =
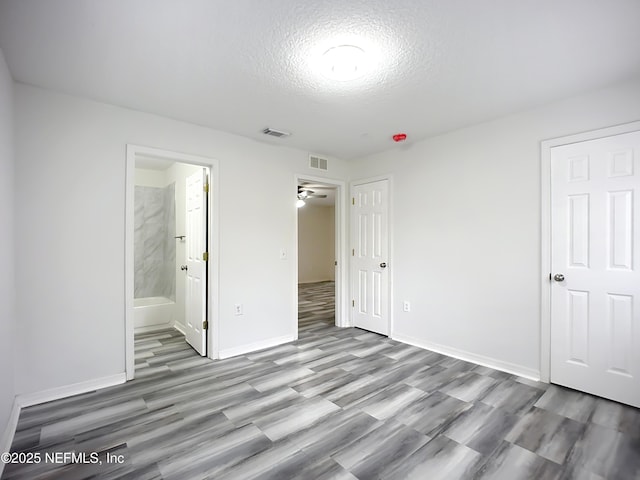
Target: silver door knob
{"type": "Point", "coordinates": [558, 277]}
{"type": "Point", "coordinates": [183, 267]}
{"type": "Point", "coordinates": [383, 265]}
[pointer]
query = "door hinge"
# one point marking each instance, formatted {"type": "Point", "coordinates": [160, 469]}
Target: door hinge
{"type": "Point", "coordinates": [353, 303]}
{"type": "Point", "coordinates": [353, 200]}
{"type": "Point", "coordinates": [353, 252]}
{"type": "Point", "coordinates": [205, 256]}
{"type": "Point", "coordinates": [335, 263]}
{"type": "Point", "coordinates": [205, 325]}
{"type": "Point", "coordinates": [205, 187]}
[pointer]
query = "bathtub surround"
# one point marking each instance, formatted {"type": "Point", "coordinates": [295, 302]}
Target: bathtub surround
{"type": "Point", "coordinates": [154, 242]}
{"type": "Point", "coordinates": [153, 313]}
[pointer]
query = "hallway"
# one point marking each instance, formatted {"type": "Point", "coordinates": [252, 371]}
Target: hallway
{"type": "Point", "coordinates": [316, 305]}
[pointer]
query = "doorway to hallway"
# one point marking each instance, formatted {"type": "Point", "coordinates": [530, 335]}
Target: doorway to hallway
{"type": "Point", "coordinates": [321, 252]}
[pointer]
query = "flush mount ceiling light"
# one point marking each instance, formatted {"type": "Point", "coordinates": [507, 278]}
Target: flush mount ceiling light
{"type": "Point", "coordinates": [344, 62]}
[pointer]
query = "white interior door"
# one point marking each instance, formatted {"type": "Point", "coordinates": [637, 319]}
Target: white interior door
{"type": "Point", "coordinates": [370, 254]}
{"type": "Point", "coordinates": [196, 246]}
{"type": "Point", "coordinates": [595, 250]}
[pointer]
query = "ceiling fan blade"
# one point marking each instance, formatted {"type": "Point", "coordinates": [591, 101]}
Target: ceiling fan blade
{"type": "Point", "coordinates": [316, 196]}
{"type": "Point", "coordinates": [315, 186]}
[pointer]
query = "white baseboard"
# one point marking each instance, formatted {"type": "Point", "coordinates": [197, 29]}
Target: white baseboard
{"type": "Point", "coordinates": [253, 347]}
{"type": "Point", "coordinates": [9, 431]}
{"type": "Point", "coordinates": [152, 328]}
{"type": "Point", "coordinates": [179, 327]}
{"type": "Point", "coordinates": [494, 363]}
{"type": "Point", "coordinates": [29, 399]}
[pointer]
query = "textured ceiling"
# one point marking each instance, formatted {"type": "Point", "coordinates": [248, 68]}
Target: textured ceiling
{"type": "Point", "coordinates": [242, 65]}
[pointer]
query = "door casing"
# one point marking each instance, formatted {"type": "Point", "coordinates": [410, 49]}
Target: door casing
{"type": "Point", "coordinates": [545, 231]}
{"type": "Point", "coordinates": [132, 152]}
{"type": "Point", "coordinates": [342, 269]}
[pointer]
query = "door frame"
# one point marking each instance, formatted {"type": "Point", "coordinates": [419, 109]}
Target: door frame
{"type": "Point", "coordinates": [545, 230]}
{"type": "Point", "coordinates": [342, 316]}
{"type": "Point", "coordinates": [390, 229]}
{"type": "Point", "coordinates": [132, 151]}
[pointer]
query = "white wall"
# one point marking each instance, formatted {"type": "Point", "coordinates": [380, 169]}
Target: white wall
{"type": "Point", "coordinates": [70, 204]}
{"type": "Point", "coordinates": [466, 242]}
{"type": "Point", "coordinates": [145, 177]}
{"type": "Point", "coordinates": [7, 279]}
{"type": "Point", "coordinates": [316, 243]}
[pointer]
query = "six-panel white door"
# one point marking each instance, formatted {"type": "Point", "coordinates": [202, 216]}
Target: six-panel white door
{"type": "Point", "coordinates": [370, 254]}
{"type": "Point", "coordinates": [196, 246]}
{"type": "Point", "coordinates": [595, 291]}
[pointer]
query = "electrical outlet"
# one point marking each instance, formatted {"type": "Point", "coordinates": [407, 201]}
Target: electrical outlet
{"type": "Point", "coordinates": [237, 309]}
{"type": "Point", "coordinates": [406, 306]}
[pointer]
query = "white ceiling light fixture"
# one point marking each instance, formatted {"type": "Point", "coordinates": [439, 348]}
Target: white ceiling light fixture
{"type": "Point", "coordinates": [300, 203]}
{"type": "Point", "coordinates": [344, 63]}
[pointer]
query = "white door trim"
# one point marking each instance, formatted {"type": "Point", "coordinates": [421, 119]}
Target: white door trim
{"type": "Point", "coordinates": [213, 247]}
{"type": "Point", "coordinates": [362, 181]}
{"type": "Point", "coordinates": [545, 231]}
{"type": "Point", "coordinates": [342, 280]}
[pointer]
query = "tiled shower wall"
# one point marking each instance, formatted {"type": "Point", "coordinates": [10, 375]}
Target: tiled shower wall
{"type": "Point", "coordinates": [154, 242]}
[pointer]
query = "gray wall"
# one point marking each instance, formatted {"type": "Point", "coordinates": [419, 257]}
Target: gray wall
{"type": "Point", "coordinates": [65, 140]}
{"type": "Point", "coordinates": [154, 242]}
{"type": "Point", "coordinates": [7, 252]}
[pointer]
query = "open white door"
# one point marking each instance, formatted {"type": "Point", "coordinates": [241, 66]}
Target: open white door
{"type": "Point", "coordinates": [196, 246]}
{"type": "Point", "coordinates": [595, 259]}
{"type": "Point", "coordinates": [370, 254]}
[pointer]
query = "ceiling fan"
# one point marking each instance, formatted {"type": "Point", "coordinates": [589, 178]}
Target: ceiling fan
{"type": "Point", "coordinates": [305, 192]}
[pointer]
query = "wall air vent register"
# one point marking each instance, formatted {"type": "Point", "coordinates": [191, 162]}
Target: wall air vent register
{"type": "Point", "coordinates": [318, 163]}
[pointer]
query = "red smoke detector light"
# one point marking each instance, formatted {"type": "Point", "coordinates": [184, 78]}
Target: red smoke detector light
{"type": "Point", "coordinates": [399, 137]}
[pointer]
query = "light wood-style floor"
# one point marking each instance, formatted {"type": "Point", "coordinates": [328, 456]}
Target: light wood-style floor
{"type": "Point", "coordinates": [336, 404]}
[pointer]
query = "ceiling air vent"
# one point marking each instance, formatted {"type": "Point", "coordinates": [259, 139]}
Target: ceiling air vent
{"type": "Point", "coordinates": [318, 163]}
{"type": "Point", "coordinates": [275, 133]}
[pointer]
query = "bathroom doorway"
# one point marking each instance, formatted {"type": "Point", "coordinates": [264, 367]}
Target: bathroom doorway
{"type": "Point", "coordinates": [171, 214]}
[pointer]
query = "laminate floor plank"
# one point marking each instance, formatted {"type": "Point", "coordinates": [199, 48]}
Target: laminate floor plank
{"type": "Point", "coordinates": [338, 403]}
